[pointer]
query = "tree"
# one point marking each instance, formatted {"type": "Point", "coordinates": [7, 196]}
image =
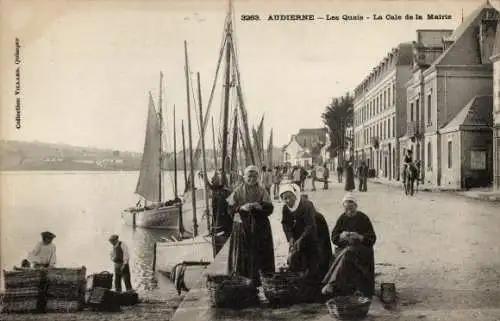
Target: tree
{"type": "Point", "coordinates": [338, 116]}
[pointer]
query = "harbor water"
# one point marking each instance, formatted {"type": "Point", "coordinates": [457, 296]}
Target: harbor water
{"type": "Point", "coordinates": [83, 209]}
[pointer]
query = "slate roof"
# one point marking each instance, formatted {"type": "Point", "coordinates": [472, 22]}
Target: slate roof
{"type": "Point", "coordinates": [462, 28]}
{"type": "Point", "coordinates": [496, 47]}
{"type": "Point", "coordinates": [477, 114]}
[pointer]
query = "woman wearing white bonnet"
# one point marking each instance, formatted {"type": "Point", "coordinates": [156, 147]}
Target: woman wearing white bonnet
{"type": "Point", "coordinates": [353, 268]}
{"type": "Point", "coordinates": [251, 245]}
{"type": "Point", "coordinates": [307, 234]}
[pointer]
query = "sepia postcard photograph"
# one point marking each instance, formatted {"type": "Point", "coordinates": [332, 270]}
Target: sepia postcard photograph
{"type": "Point", "coordinates": [249, 160]}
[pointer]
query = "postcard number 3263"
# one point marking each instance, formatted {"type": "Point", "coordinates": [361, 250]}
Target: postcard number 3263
{"type": "Point", "coordinates": [250, 17]}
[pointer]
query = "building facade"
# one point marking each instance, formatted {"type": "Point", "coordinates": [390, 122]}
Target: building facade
{"type": "Point", "coordinates": [496, 112]}
{"type": "Point", "coordinates": [306, 147]}
{"type": "Point", "coordinates": [448, 102]}
{"type": "Point", "coordinates": [380, 113]}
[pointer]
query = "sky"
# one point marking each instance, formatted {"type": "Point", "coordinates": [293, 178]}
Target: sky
{"type": "Point", "coordinates": [86, 66]}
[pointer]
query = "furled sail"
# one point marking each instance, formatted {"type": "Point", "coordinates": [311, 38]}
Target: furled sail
{"type": "Point", "coordinates": [149, 177]}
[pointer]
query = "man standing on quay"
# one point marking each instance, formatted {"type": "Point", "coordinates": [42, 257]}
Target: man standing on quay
{"type": "Point", "coordinates": [120, 257]}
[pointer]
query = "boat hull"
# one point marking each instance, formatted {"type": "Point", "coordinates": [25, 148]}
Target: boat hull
{"type": "Point", "coordinates": [166, 217]}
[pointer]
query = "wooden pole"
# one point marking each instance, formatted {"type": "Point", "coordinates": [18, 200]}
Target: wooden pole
{"type": "Point", "coordinates": [184, 155]}
{"type": "Point", "coordinates": [193, 191]}
{"type": "Point", "coordinates": [175, 160]}
{"type": "Point", "coordinates": [202, 133]}
{"type": "Point", "coordinates": [213, 143]}
{"type": "Point", "coordinates": [160, 117]}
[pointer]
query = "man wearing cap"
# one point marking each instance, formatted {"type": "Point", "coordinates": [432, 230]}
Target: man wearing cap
{"type": "Point", "coordinates": [120, 256]}
{"type": "Point", "coordinates": [44, 253]}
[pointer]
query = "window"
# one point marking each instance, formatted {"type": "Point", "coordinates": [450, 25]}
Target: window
{"type": "Point", "coordinates": [393, 126]}
{"type": "Point", "coordinates": [450, 163]}
{"type": "Point", "coordinates": [389, 99]}
{"type": "Point", "coordinates": [478, 159]}
{"type": "Point", "coordinates": [411, 112]}
{"type": "Point", "coordinates": [417, 110]}
{"type": "Point", "coordinates": [388, 127]}
{"type": "Point", "coordinates": [429, 109]}
{"type": "Point", "coordinates": [394, 94]}
{"type": "Point", "coordinates": [429, 155]}
{"type": "Point", "coordinates": [385, 99]}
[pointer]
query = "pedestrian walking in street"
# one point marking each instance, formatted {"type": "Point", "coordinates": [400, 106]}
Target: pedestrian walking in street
{"type": "Point", "coordinates": [267, 179]}
{"type": "Point", "coordinates": [44, 253]}
{"type": "Point", "coordinates": [120, 257]}
{"type": "Point", "coordinates": [305, 231]}
{"type": "Point", "coordinates": [349, 178]}
{"type": "Point", "coordinates": [277, 178]}
{"type": "Point", "coordinates": [340, 172]}
{"type": "Point", "coordinates": [251, 247]}
{"type": "Point", "coordinates": [354, 266]}
{"type": "Point", "coordinates": [296, 175]}
{"type": "Point", "coordinates": [303, 177]}
{"type": "Point", "coordinates": [223, 221]}
{"type": "Point", "coordinates": [313, 178]}
{"type": "Point", "coordinates": [326, 176]}
{"type": "Point", "coordinates": [363, 177]}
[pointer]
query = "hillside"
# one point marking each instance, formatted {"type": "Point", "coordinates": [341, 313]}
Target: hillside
{"type": "Point", "coordinates": [20, 155]}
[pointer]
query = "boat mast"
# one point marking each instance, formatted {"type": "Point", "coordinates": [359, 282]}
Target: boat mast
{"type": "Point", "coordinates": [227, 85]}
{"type": "Point", "coordinates": [184, 156]}
{"type": "Point", "coordinates": [160, 117]}
{"type": "Point", "coordinates": [213, 143]}
{"type": "Point", "coordinates": [175, 160]}
{"type": "Point", "coordinates": [193, 192]}
{"type": "Point", "coordinates": [202, 133]}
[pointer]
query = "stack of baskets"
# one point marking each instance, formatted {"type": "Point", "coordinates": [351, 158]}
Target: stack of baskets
{"type": "Point", "coordinates": [65, 289]}
{"type": "Point", "coordinates": [23, 291]}
{"type": "Point", "coordinates": [285, 288]}
{"type": "Point", "coordinates": [231, 291]}
{"type": "Point", "coordinates": [349, 307]}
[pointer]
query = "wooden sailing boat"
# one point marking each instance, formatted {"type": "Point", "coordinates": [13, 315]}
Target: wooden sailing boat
{"type": "Point", "coordinates": [158, 213]}
{"type": "Point", "coordinates": [201, 249]}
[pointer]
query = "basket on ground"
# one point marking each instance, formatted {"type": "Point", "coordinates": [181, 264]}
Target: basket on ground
{"type": "Point", "coordinates": [231, 291]}
{"type": "Point", "coordinates": [348, 307]}
{"type": "Point", "coordinates": [287, 287]}
{"type": "Point", "coordinates": [23, 278]}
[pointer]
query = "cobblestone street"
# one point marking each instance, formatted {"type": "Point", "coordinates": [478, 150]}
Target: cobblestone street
{"type": "Point", "coordinates": [440, 249]}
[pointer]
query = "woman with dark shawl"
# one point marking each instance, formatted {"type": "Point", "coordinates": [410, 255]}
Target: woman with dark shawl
{"type": "Point", "coordinates": [353, 268]}
{"type": "Point", "coordinates": [251, 246]}
{"type": "Point", "coordinates": [305, 231]}
{"type": "Point", "coordinates": [349, 178]}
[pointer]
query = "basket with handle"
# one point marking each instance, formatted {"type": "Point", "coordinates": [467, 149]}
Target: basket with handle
{"type": "Point", "coordinates": [286, 287]}
{"type": "Point", "coordinates": [349, 307]}
{"type": "Point", "coordinates": [231, 291]}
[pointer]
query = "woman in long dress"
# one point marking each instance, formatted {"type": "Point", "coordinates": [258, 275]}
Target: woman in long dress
{"type": "Point", "coordinates": [349, 178]}
{"type": "Point", "coordinates": [306, 231]}
{"type": "Point", "coordinates": [251, 246]}
{"type": "Point", "coordinates": [353, 268]}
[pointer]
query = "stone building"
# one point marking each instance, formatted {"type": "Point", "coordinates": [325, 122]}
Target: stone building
{"type": "Point", "coordinates": [380, 112]}
{"type": "Point", "coordinates": [305, 147]}
{"type": "Point", "coordinates": [496, 112]}
{"type": "Point", "coordinates": [448, 102]}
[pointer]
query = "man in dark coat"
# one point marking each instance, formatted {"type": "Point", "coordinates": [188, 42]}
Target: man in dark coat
{"type": "Point", "coordinates": [363, 177]}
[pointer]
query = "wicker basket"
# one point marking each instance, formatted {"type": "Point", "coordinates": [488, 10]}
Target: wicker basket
{"type": "Point", "coordinates": [231, 291]}
{"type": "Point", "coordinates": [28, 305]}
{"type": "Point", "coordinates": [23, 279]}
{"type": "Point", "coordinates": [66, 275]}
{"type": "Point", "coordinates": [349, 307]}
{"type": "Point", "coordinates": [285, 287]}
{"type": "Point", "coordinates": [56, 305]}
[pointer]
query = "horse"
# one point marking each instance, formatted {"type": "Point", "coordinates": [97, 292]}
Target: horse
{"type": "Point", "coordinates": [410, 175]}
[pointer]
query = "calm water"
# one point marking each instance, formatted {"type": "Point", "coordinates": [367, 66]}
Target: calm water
{"type": "Point", "coordinates": [83, 209]}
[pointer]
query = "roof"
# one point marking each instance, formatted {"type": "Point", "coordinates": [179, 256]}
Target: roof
{"type": "Point", "coordinates": [462, 28]}
{"type": "Point", "coordinates": [477, 114]}
{"type": "Point", "coordinates": [496, 46]}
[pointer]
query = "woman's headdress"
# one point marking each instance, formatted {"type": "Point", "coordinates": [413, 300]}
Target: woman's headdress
{"type": "Point", "coordinates": [293, 188]}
